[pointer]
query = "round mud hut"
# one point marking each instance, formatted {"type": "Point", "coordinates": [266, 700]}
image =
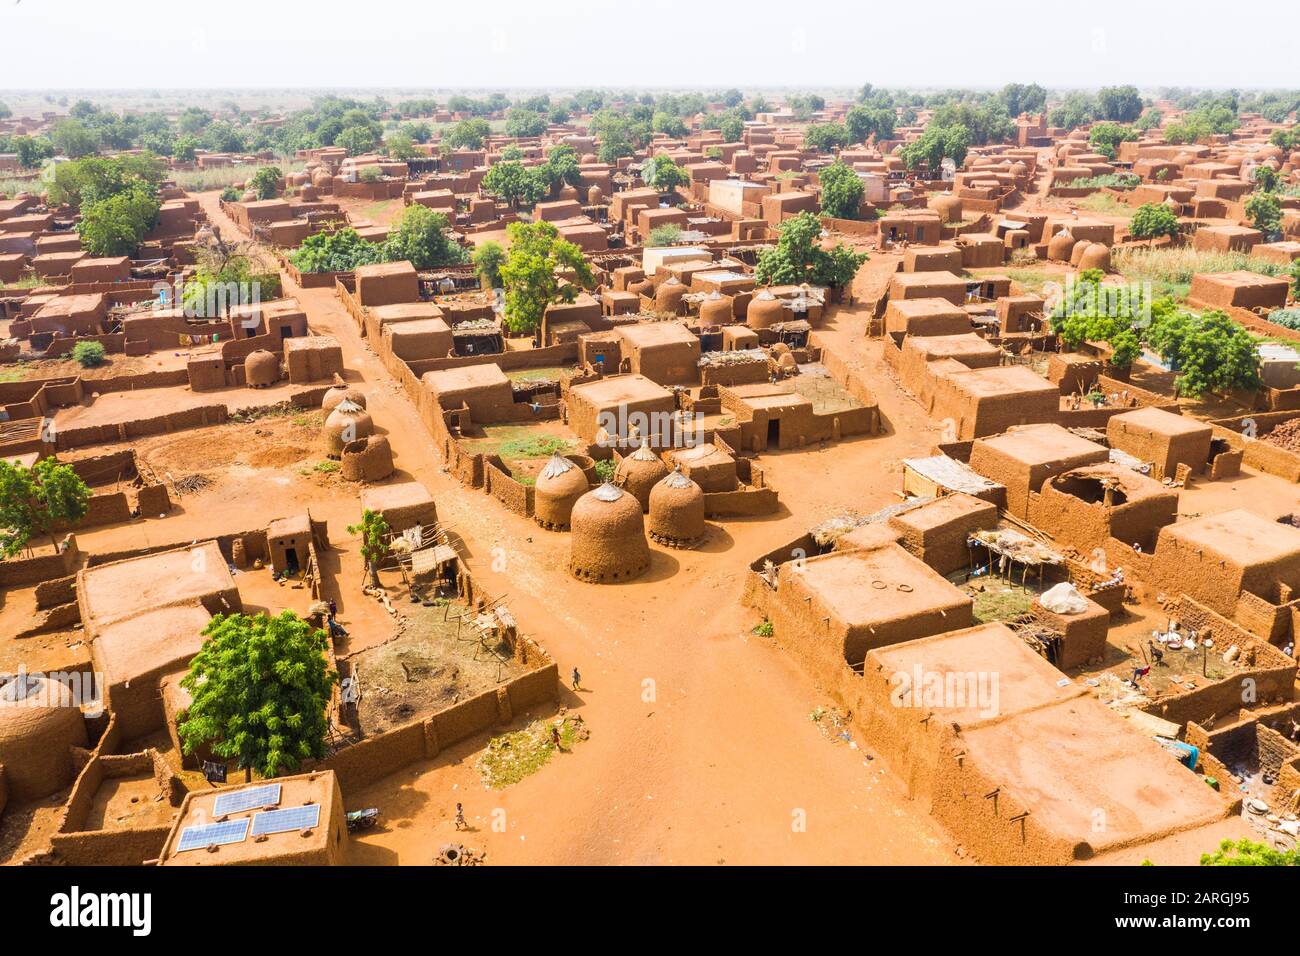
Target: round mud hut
{"type": "Point", "coordinates": [608, 542]}
{"type": "Point", "coordinates": [339, 392]}
{"type": "Point", "coordinates": [261, 369]}
{"type": "Point", "coordinates": [39, 724]}
{"type": "Point", "coordinates": [366, 459]}
{"type": "Point", "coordinates": [559, 485]}
{"type": "Point", "coordinates": [765, 311]}
{"type": "Point", "coordinates": [1096, 256]}
{"type": "Point", "coordinates": [639, 472]}
{"type": "Point", "coordinates": [716, 309]}
{"type": "Point", "coordinates": [1060, 246]}
{"type": "Point", "coordinates": [670, 296]}
{"type": "Point", "coordinates": [347, 423]}
{"type": "Point", "coordinates": [677, 511]}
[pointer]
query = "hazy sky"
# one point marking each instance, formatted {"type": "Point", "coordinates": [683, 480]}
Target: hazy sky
{"type": "Point", "coordinates": [71, 44]}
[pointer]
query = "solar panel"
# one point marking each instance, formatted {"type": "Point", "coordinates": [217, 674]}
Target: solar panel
{"type": "Point", "coordinates": [252, 799]}
{"type": "Point", "coordinates": [285, 821]}
{"type": "Point", "coordinates": [213, 834]}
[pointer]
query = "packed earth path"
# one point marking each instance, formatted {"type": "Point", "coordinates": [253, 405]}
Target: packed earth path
{"type": "Point", "coordinates": [702, 747]}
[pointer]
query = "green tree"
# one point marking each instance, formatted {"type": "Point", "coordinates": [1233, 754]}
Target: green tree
{"type": "Point", "coordinates": [732, 129]}
{"type": "Point", "coordinates": [488, 259]}
{"type": "Point", "coordinates": [936, 144]}
{"type": "Point", "coordinates": [1210, 352]}
{"type": "Point", "coordinates": [339, 251]}
{"type": "Point", "coordinates": [1017, 98]}
{"type": "Point", "coordinates": [1248, 853]}
{"type": "Point", "coordinates": [1153, 219]}
{"type": "Point", "coordinates": [1089, 315]}
{"type": "Point", "coordinates": [668, 124]}
{"type": "Point", "coordinates": [1264, 212]}
{"type": "Point", "coordinates": [525, 124]}
{"type": "Point", "coordinates": [74, 139]}
{"type": "Point", "coordinates": [266, 182]}
{"type": "Point", "coordinates": [984, 123]}
{"type": "Point", "coordinates": [1076, 110]}
{"type": "Point", "coordinates": [374, 533]}
{"type": "Point", "coordinates": [1106, 137]}
{"type": "Point", "coordinates": [357, 140]}
{"type": "Point", "coordinates": [467, 134]}
{"type": "Point", "coordinates": [36, 500]}
{"type": "Point", "coordinates": [863, 122]}
{"type": "Point", "coordinates": [1121, 104]}
{"type": "Point", "coordinates": [87, 181]}
{"type": "Point", "coordinates": [259, 687]}
{"type": "Point", "coordinates": [798, 257]}
{"type": "Point", "coordinates": [1265, 178]}
{"type": "Point", "coordinates": [31, 150]}
{"type": "Point", "coordinates": [616, 134]}
{"type": "Point", "coordinates": [117, 225]}
{"type": "Point", "coordinates": [400, 147]}
{"type": "Point", "coordinates": [516, 184]}
{"type": "Point", "coordinates": [842, 191]}
{"type": "Point", "coordinates": [562, 167]}
{"type": "Point", "coordinates": [664, 174]}
{"type": "Point", "coordinates": [825, 137]}
{"type": "Point", "coordinates": [421, 239]}
{"type": "Point", "coordinates": [1148, 121]}
{"type": "Point", "coordinates": [529, 273]}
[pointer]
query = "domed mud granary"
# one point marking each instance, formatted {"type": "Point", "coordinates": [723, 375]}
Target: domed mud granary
{"type": "Point", "coordinates": [642, 287]}
{"type": "Point", "coordinates": [670, 295]}
{"type": "Point", "coordinates": [1096, 256]}
{"type": "Point", "coordinates": [339, 392]}
{"type": "Point", "coordinates": [39, 724]}
{"type": "Point", "coordinates": [608, 537]}
{"type": "Point", "coordinates": [716, 309]}
{"type": "Point", "coordinates": [559, 486]}
{"type": "Point", "coordinates": [367, 459]}
{"type": "Point", "coordinates": [347, 423]}
{"type": "Point", "coordinates": [765, 311]}
{"type": "Point", "coordinates": [677, 511]}
{"type": "Point", "coordinates": [1076, 254]}
{"type": "Point", "coordinates": [1060, 246]}
{"type": "Point", "coordinates": [639, 472]}
{"type": "Point", "coordinates": [261, 369]}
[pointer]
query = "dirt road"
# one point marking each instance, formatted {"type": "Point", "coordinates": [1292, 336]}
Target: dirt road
{"type": "Point", "coordinates": [702, 748]}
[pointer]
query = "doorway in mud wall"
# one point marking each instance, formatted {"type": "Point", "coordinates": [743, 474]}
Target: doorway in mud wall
{"type": "Point", "coordinates": [774, 433]}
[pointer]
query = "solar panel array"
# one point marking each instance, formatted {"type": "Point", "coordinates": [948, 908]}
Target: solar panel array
{"type": "Point", "coordinates": [253, 798]}
{"type": "Point", "coordinates": [213, 834]}
{"type": "Point", "coordinates": [285, 821]}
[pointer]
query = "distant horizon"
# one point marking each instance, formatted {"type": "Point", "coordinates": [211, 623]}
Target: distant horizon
{"type": "Point", "coordinates": [573, 44]}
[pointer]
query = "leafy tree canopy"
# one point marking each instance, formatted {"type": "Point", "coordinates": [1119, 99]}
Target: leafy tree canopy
{"type": "Point", "coordinates": [529, 273]}
{"type": "Point", "coordinates": [798, 257]}
{"type": "Point", "coordinates": [842, 191]}
{"type": "Point", "coordinates": [259, 689]}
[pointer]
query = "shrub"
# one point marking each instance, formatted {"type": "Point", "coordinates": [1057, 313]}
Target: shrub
{"type": "Point", "coordinates": [1287, 318]}
{"type": "Point", "coordinates": [266, 182]}
{"type": "Point", "coordinates": [88, 354]}
{"type": "Point", "coordinates": [665, 235]}
{"type": "Point", "coordinates": [1153, 219]}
